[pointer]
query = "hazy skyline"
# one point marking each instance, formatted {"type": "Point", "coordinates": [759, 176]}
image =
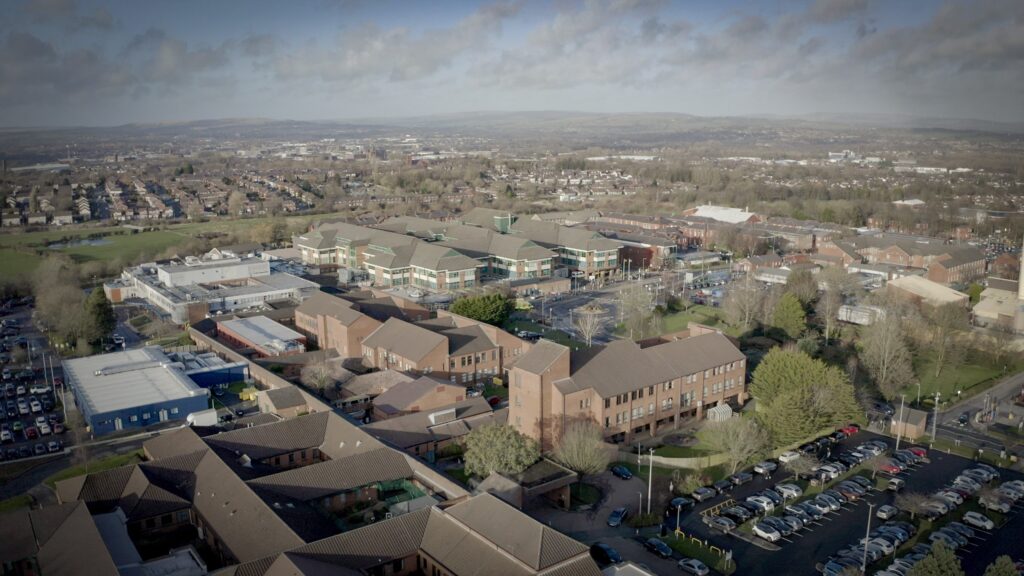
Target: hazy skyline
{"type": "Point", "coordinates": [82, 62]}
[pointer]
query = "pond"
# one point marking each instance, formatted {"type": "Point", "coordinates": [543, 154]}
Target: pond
{"type": "Point", "coordinates": [78, 243]}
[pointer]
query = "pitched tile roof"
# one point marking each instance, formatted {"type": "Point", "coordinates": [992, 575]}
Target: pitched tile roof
{"type": "Point", "coordinates": [417, 428]}
{"type": "Point", "coordinates": [335, 476]}
{"type": "Point", "coordinates": [408, 394]}
{"type": "Point", "coordinates": [541, 356]}
{"type": "Point", "coordinates": [404, 339]}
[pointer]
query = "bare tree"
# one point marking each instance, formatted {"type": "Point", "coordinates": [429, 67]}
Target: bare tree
{"type": "Point", "coordinates": [886, 355]}
{"type": "Point", "coordinates": [637, 308]}
{"type": "Point", "coordinates": [913, 502]}
{"type": "Point", "coordinates": [740, 439]}
{"type": "Point", "coordinates": [684, 483]}
{"type": "Point", "coordinates": [947, 323]}
{"type": "Point", "coordinates": [589, 322]}
{"type": "Point", "coordinates": [835, 284]}
{"type": "Point", "coordinates": [582, 449]}
{"type": "Point", "coordinates": [236, 202]}
{"type": "Point", "coordinates": [875, 464]}
{"type": "Point", "coordinates": [803, 466]}
{"type": "Point", "coordinates": [321, 375]}
{"type": "Point", "coordinates": [743, 302]}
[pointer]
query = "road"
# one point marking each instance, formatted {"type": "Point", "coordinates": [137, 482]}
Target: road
{"type": "Point", "coordinates": [973, 434]}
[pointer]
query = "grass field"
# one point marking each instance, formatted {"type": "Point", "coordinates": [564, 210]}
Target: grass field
{"type": "Point", "coordinates": [125, 246]}
{"type": "Point", "coordinates": [968, 378]}
{"type": "Point", "coordinates": [95, 466]}
{"type": "Point", "coordinates": [19, 501]}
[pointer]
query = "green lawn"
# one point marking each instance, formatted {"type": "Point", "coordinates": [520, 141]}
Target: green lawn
{"type": "Point", "coordinates": [692, 549]}
{"type": "Point", "coordinates": [20, 501]}
{"type": "Point", "coordinates": [115, 461]}
{"type": "Point", "coordinates": [968, 378]}
{"type": "Point", "coordinates": [677, 321]}
{"type": "Point", "coordinates": [17, 264]}
{"type": "Point", "coordinates": [492, 389]}
{"type": "Point", "coordinates": [459, 474]}
{"type": "Point", "coordinates": [236, 387]}
{"type": "Point", "coordinates": [584, 494]}
{"type": "Point", "coordinates": [553, 335]}
{"type": "Point", "coordinates": [681, 451]}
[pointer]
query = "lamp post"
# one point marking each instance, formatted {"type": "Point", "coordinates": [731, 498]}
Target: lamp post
{"type": "Point", "coordinates": [918, 393]}
{"type": "Point", "coordinates": [640, 508]}
{"type": "Point", "coordinates": [867, 536]}
{"type": "Point", "coordinates": [935, 418]}
{"type": "Point", "coordinates": [679, 507]}
{"type": "Point", "coordinates": [902, 426]}
{"type": "Point", "coordinates": [650, 479]}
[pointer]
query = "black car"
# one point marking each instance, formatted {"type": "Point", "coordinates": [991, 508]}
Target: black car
{"type": "Point", "coordinates": [964, 418]}
{"type": "Point", "coordinates": [722, 486]}
{"type": "Point", "coordinates": [810, 448]}
{"type": "Point", "coordinates": [737, 513]}
{"type": "Point", "coordinates": [772, 495]}
{"type": "Point", "coordinates": [604, 554]}
{"type": "Point", "coordinates": [658, 547]}
{"type": "Point", "coordinates": [837, 436]}
{"type": "Point", "coordinates": [753, 510]}
{"type": "Point", "coordinates": [741, 478]}
{"type": "Point", "coordinates": [681, 503]}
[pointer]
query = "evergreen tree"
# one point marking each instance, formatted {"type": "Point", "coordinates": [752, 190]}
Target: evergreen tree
{"type": "Point", "coordinates": [940, 562]}
{"type": "Point", "coordinates": [99, 315]}
{"type": "Point", "coordinates": [789, 316]}
{"type": "Point", "coordinates": [1003, 566]}
{"type": "Point", "coordinates": [499, 448]}
{"type": "Point", "coordinates": [493, 308]}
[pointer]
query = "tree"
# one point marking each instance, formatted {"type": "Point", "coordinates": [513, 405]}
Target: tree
{"type": "Point", "coordinates": [1003, 566]}
{"type": "Point", "coordinates": [493, 308]}
{"type": "Point", "coordinates": [941, 561]}
{"type": "Point", "coordinates": [743, 302]}
{"type": "Point", "coordinates": [637, 308]}
{"type": "Point", "coordinates": [236, 202]}
{"type": "Point", "coordinates": [739, 439]}
{"type": "Point", "coordinates": [798, 395]}
{"type": "Point", "coordinates": [884, 351]}
{"type": "Point", "coordinates": [499, 448]}
{"type": "Point", "coordinates": [835, 283]}
{"type": "Point", "coordinates": [589, 322]}
{"type": "Point", "coordinates": [321, 375]}
{"type": "Point", "coordinates": [683, 483]}
{"type": "Point", "coordinates": [912, 502]}
{"type": "Point", "coordinates": [875, 464]}
{"type": "Point", "coordinates": [804, 465]}
{"type": "Point", "coordinates": [789, 316]}
{"type": "Point", "coordinates": [947, 322]}
{"type": "Point", "coordinates": [582, 449]}
{"type": "Point", "coordinates": [99, 316]}
{"type": "Point", "coordinates": [802, 285]}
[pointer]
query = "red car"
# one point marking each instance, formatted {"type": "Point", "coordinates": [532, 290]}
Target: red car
{"type": "Point", "coordinates": [494, 400]}
{"type": "Point", "coordinates": [31, 433]}
{"type": "Point", "coordinates": [850, 430]}
{"type": "Point", "coordinates": [918, 451]}
{"type": "Point", "coordinates": [890, 468]}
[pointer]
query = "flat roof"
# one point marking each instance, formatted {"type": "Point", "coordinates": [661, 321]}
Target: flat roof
{"type": "Point", "coordinates": [261, 330]}
{"type": "Point", "coordinates": [928, 290]}
{"type": "Point", "coordinates": [128, 379]}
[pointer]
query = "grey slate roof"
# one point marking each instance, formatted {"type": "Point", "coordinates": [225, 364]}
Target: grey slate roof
{"type": "Point", "coordinates": [414, 429]}
{"type": "Point", "coordinates": [541, 356]}
{"type": "Point", "coordinates": [335, 476]}
{"type": "Point", "coordinates": [404, 339]}
{"type": "Point", "coordinates": [406, 395]}
{"type": "Point", "coordinates": [287, 397]}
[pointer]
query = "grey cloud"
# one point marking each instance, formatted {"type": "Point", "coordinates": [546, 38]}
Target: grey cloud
{"type": "Point", "coordinates": [828, 11]}
{"type": "Point", "coordinates": [395, 54]}
{"type": "Point", "coordinates": [67, 14]}
{"type": "Point", "coordinates": [162, 59]}
{"type": "Point", "coordinates": [260, 45]}
{"type": "Point", "coordinates": [811, 46]}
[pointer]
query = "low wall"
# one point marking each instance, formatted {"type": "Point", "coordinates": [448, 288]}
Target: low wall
{"type": "Point", "coordinates": [695, 462]}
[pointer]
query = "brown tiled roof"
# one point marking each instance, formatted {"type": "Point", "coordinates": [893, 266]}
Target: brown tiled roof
{"type": "Point", "coordinates": [373, 383]}
{"type": "Point", "coordinates": [371, 545]}
{"type": "Point", "coordinates": [17, 540]}
{"type": "Point", "coordinates": [468, 340]}
{"type": "Point", "coordinates": [692, 355]}
{"type": "Point", "coordinates": [416, 428]}
{"type": "Point", "coordinates": [324, 304]}
{"type": "Point", "coordinates": [176, 443]}
{"type": "Point", "coordinates": [260, 442]}
{"type": "Point", "coordinates": [287, 397]}
{"type": "Point", "coordinates": [74, 546]}
{"type": "Point", "coordinates": [335, 476]}
{"type": "Point", "coordinates": [617, 367]}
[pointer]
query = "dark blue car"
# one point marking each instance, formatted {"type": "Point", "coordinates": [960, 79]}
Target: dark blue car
{"type": "Point", "coordinates": [622, 472]}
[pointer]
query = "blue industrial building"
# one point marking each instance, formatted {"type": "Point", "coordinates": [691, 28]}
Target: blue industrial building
{"type": "Point", "coordinates": [141, 387]}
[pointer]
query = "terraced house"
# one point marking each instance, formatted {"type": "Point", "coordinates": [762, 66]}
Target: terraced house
{"type": "Point", "coordinates": [626, 389]}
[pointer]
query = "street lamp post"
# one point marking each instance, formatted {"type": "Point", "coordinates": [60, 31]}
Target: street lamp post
{"type": "Point", "coordinates": [918, 393]}
{"type": "Point", "coordinates": [902, 425]}
{"type": "Point", "coordinates": [679, 507]}
{"type": "Point", "coordinates": [650, 479]}
{"type": "Point", "coordinates": [867, 536]}
{"type": "Point", "coordinates": [935, 418]}
{"type": "Point", "coordinates": [639, 508]}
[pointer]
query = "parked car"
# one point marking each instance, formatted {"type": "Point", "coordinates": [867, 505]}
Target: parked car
{"type": "Point", "coordinates": [679, 503]}
{"type": "Point", "coordinates": [962, 529]}
{"type": "Point", "coordinates": [53, 446]}
{"type": "Point", "coordinates": [886, 512]}
{"type": "Point", "coordinates": [604, 554]}
{"type": "Point", "coordinates": [722, 523]}
{"type": "Point", "coordinates": [738, 514]}
{"type": "Point", "coordinates": [693, 566]}
{"type": "Point", "coordinates": [767, 532]}
{"type": "Point", "coordinates": [722, 486]}
{"type": "Point", "coordinates": [703, 493]}
{"type": "Point", "coordinates": [789, 490]}
{"type": "Point", "coordinates": [658, 547]}
{"type": "Point", "coordinates": [788, 456]}
{"type": "Point", "coordinates": [761, 502]}
{"type": "Point", "coordinates": [896, 484]}
{"type": "Point", "coordinates": [766, 467]}
{"type": "Point", "coordinates": [979, 520]}
{"type": "Point", "coordinates": [622, 472]}
{"type": "Point", "coordinates": [617, 517]}
{"type": "Point", "coordinates": [741, 478]}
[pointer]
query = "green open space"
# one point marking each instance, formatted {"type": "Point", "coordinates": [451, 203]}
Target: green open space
{"type": "Point", "coordinates": [98, 465]}
{"type": "Point", "coordinates": [14, 503]}
{"type": "Point", "coordinates": [969, 378]}
{"type": "Point", "coordinates": [693, 549]}
{"type": "Point", "coordinates": [459, 474]}
{"type": "Point", "coordinates": [492, 389]}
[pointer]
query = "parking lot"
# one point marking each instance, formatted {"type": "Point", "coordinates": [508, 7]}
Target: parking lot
{"type": "Point", "coordinates": [31, 416]}
{"type": "Point", "coordinates": [802, 551]}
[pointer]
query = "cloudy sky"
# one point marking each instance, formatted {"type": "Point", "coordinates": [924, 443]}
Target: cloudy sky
{"type": "Point", "coordinates": [103, 62]}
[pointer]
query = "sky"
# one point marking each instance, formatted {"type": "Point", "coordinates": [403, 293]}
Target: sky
{"type": "Point", "coordinates": [112, 62]}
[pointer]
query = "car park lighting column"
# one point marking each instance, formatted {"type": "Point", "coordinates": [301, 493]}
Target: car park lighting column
{"type": "Point", "coordinates": [639, 509]}
{"type": "Point", "coordinates": [650, 479]}
{"type": "Point", "coordinates": [867, 536]}
{"type": "Point", "coordinates": [902, 425]}
{"type": "Point", "coordinates": [935, 418]}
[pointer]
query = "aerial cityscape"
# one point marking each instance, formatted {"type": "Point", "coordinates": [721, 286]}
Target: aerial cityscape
{"type": "Point", "coordinates": [538, 287]}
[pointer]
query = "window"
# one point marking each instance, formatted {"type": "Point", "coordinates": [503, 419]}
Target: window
{"type": "Point", "coordinates": [302, 455]}
{"type": "Point", "coordinates": [607, 403]}
{"type": "Point", "coordinates": [291, 458]}
{"type": "Point", "coordinates": [494, 354]}
{"type": "Point", "coordinates": [182, 515]}
{"type": "Point", "coordinates": [133, 418]}
{"type": "Point", "coordinates": [607, 422]}
{"type": "Point", "coordinates": [165, 520]}
{"type": "Point", "coordinates": [519, 401]}
{"type": "Point", "coordinates": [650, 409]}
{"type": "Point", "coordinates": [650, 390]}
{"type": "Point", "coordinates": [398, 565]}
{"type": "Point", "coordinates": [145, 415]}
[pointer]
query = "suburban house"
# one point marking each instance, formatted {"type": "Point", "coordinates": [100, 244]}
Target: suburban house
{"type": "Point", "coordinates": [943, 262]}
{"type": "Point", "coordinates": [624, 388]}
